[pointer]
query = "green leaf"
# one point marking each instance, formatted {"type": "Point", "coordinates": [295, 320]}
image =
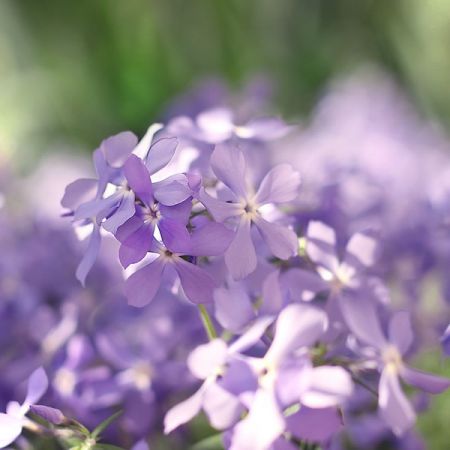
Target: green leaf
{"type": "Point", "coordinates": [209, 443]}
{"type": "Point", "coordinates": [77, 426]}
{"type": "Point", "coordinates": [105, 424]}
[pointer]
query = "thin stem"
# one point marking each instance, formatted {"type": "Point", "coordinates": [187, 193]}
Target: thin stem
{"type": "Point", "coordinates": [207, 323]}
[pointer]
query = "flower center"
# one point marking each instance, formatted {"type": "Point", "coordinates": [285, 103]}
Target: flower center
{"type": "Point", "coordinates": [392, 359]}
{"type": "Point", "coordinates": [65, 381]}
{"type": "Point", "coordinates": [250, 209]}
{"type": "Point", "coordinates": [142, 376]}
{"type": "Point", "coordinates": [152, 214]}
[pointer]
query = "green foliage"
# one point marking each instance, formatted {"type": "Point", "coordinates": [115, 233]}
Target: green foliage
{"type": "Point", "coordinates": [209, 443]}
{"type": "Point", "coordinates": [78, 71]}
{"type": "Point", "coordinates": [434, 423]}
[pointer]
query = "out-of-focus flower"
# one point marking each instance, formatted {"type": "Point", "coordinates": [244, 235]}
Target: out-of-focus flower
{"type": "Point", "coordinates": [394, 407]}
{"type": "Point", "coordinates": [13, 421]}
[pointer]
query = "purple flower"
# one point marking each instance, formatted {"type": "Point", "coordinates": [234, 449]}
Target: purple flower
{"type": "Point", "coordinates": [110, 211]}
{"type": "Point", "coordinates": [218, 125]}
{"type": "Point", "coordinates": [225, 379]}
{"type": "Point", "coordinates": [197, 284]}
{"type": "Point", "coordinates": [394, 407]}
{"type": "Point", "coordinates": [12, 422]}
{"type": "Point", "coordinates": [171, 210]}
{"type": "Point", "coordinates": [84, 197]}
{"type": "Point", "coordinates": [243, 206]}
{"type": "Point", "coordinates": [348, 272]}
{"type": "Point", "coordinates": [286, 380]}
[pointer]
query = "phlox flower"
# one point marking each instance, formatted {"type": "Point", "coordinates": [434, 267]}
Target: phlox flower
{"type": "Point", "coordinates": [12, 422]}
{"type": "Point", "coordinates": [394, 407]}
{"type": "Point", "coordinates": [243, 207]}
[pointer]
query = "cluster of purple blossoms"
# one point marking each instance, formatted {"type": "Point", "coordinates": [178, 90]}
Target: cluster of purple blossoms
{"type": "Point", "coordinates": [292, 290]}
{"type": "Point", "coordinates": [277, 281]}
{"type": "Point", "coordinates": [99, 354]}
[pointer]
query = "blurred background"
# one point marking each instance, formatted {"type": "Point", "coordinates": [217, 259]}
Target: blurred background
{"type": "Point", "coordinates": [72, 73]}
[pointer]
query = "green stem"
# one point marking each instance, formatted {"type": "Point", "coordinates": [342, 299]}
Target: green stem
{"type": "Point", "coordinates": [207, 323]}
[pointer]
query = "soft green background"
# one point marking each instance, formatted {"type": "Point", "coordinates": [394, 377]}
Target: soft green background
{"type": "Point", "coordinates": [73, 72]}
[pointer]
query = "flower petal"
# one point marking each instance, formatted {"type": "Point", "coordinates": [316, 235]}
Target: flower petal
{"type": "Point", "coordinates": [160, 153]}
{"type": "Point", "coordinates": [117, 148]}
{"type": "Point", "coordinates": [228, 163]}
{"type": "Point", "coordinates": [363, 248]}
{"type": "Point", "coordinates": [142, 286]}
{"type": "Point", "coordinates": [222, 408]}
{"type": "Point", "coordinates": [179, 212]}
{"type": "Point", "coordinates": [52, 415]}
{"type": "Point", "coordinates": [219, 209]}
{"type": "Point", "coordinates": [175, 236]}
{"type": "Point", "coordinates": [428, 382]}
{"type": "Point", "coordinates": [89, 256]}
{"type": "Point", "coordinates": [240, 256]}
{"type": "Point", "coordinates": [125, 210]}
{"type": "Point", "coordinates": [271, 294]}
{"type": "Point", "coordinates": [216, 124]}
{"type": "Point", "coordinates": [281, 240]}
{"type": "Point", "coordinates": [78, 192]}
{"type": "Point", "coordinates": [212, 239]}
{"type": "Point", "coordinates": [262, 426]}
{"type": "Point", "coordinates": [138, 178]}
{"type": "Point", "coordinates": [197, 284]}
{"type": "Point", "coordinates": [184, 411]}
{"type": "Point", "coordinates": [330, 386]}
{"type": "Point", "coordinates": [315, 425]}
{"type": "Point", "coordinates": [173, 190]}
{"type": "Point", "coordinates": [280, 185]}
{"type": "Point", "coordinates": [234, 309]}
{"type": "Point", "coordinates": [37, 386]}
{"type": "Point", "coordinates": [101, 207]}
{"type": "Point", "coordinates": [400, 331]}
{"type": "Point", "coordinates": [10, 429]}
{"type": "Point", "coordinates": [394, 407]}
{"type": "Point", "coordinates": [265, 128]}
{"type": "Point", "coordinates": [136, 237]}
{"type": "Point", "coordinates": [303, 285]}
{"type": "Point", "coordinates": [140, 445]}
{"type": "Point", "coordinates": [251, 336]}
{"type": "Point", "coordinates": [362, 319]}
{"type": "Point", "coordinates": [297, 326]}
{"type": "Point", "coordinates": [204, 360]}
{"type": "Point", "coordinates": [321, 244]}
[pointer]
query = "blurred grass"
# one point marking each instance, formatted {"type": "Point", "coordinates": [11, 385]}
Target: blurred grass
{"type": "Point", "coordinates": [74, 72]}
{"type": "Point", "coordinates": [434, 424]}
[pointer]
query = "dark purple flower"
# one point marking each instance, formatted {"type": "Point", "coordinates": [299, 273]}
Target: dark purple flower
{"type": "Point", "coordinates": [210, 240]}
{"type": "Point", "coordinates": [136, 234]}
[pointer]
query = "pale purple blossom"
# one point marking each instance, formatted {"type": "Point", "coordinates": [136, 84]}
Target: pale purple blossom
{"type": "Point", "coordinates": [13, 421]}
{"type": "Point", "coordinates": [243, 205]}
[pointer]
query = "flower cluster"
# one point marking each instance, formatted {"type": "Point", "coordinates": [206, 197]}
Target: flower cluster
{"type": "Point", "coordinates": [307, 325]}
{"type": "Point", "coordinates": [99, 354]}
{"type": "Point", "coordinates": [276, 282]}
